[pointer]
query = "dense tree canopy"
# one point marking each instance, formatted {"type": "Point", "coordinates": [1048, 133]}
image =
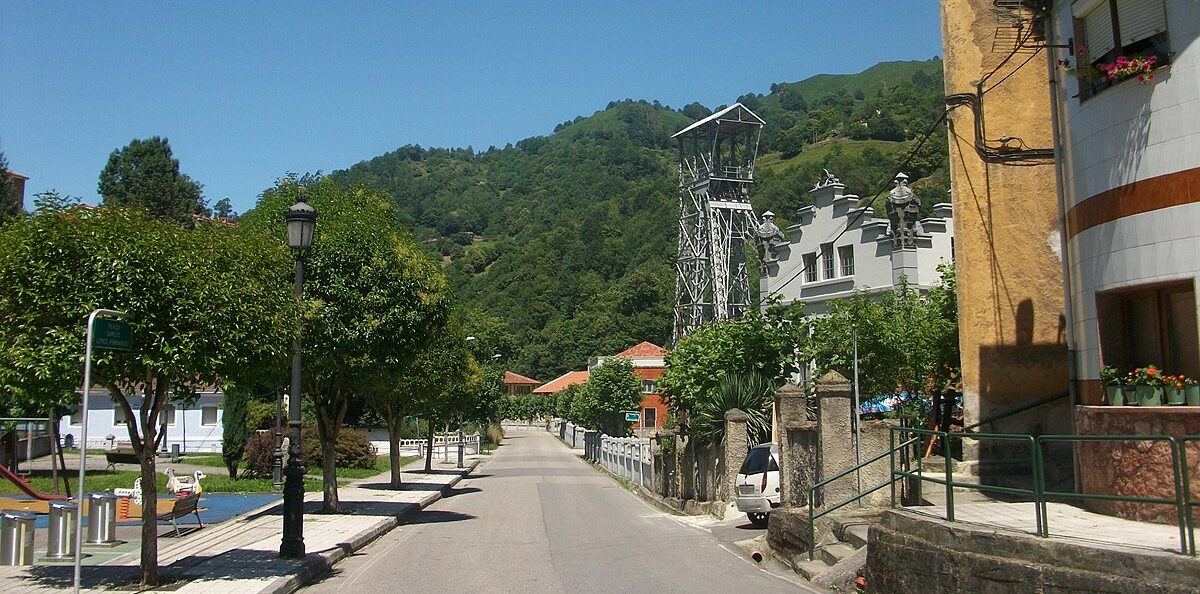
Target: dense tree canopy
{"type": "Point", "coordinates": [570, 238]}
{"type": "Point", "coordinates": [371, 297]}
{"type": "Point", "coordinates": [907, 342]}
{"type": "Point", "coordinates": [145, 173]}
{"type": "Point", "coordinates": [206, 308]}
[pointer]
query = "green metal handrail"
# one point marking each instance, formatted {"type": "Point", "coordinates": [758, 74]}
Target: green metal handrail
{"type": "Point", "coordinates": [1015, 411]}
{"type": "Point", "coordinates": [1183, 500]}
{"type": "Point", "coordinates": [1177, 501]}
{"type": "Point", "coordinates": [1189, 502]}
{"type": "Point", "coordinates": [812, 491]}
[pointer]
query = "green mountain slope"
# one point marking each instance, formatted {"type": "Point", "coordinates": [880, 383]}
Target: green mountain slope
{"type": "Point", "coordinates": [570, 238]}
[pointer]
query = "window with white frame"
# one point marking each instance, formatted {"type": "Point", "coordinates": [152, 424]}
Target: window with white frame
{"type": "Point", "coordinates": [76, 418]}
{"type": "Point", "coordinates": [1108, 32]}
{"type": "Point", "coordinates": [649, 387]}
{"type": "Point", "coordinates": [846, 255]}
{"type": "Point", "coordinates": [810, 267]}
{"type": "Point", "coordinates": [827, 260]}
{"type": "Point", "coordinates": [208, 415]}
{"type": "Point", "coordinates": [119, 414]}
{"type": "Point", "coordinates": [167, 415]}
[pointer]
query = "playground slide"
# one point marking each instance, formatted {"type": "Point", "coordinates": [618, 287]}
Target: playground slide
{"type": "Point", "coordinates": [22, 485]}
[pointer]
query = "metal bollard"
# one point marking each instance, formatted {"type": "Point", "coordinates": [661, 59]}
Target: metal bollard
{"type": "Point", "coordinates": [16, 538]}
{"type": "Point", "coordinates": [60, 537]}
{"type": "Point", "coordinates": [102, 519]}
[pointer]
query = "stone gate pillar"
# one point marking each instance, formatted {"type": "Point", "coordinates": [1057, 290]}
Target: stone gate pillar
{"type": "Point", "coordinates": [736, 447]}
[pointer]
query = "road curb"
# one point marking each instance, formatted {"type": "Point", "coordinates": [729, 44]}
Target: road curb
{"type": "Point", "coordinates": [317, 564]}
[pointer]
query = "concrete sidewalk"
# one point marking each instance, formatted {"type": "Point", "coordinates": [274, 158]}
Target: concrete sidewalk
{"type": "Point", "coordinates": [241, 555]}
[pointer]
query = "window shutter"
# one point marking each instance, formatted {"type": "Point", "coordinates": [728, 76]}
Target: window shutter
{"type": "Point", "coordinates": [1140, 19]}
{"type": "Point", "coordinates": [1098, 26]}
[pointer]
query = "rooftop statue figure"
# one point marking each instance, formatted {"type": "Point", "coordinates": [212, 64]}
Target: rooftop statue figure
{"type": "Point", "coordinates": [769, 236]}
{"type": "Point", "coordinates": [903, 208]}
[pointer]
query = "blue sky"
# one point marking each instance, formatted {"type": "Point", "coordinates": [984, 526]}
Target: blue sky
{"type": "Point", "coordinates": [248, 93]}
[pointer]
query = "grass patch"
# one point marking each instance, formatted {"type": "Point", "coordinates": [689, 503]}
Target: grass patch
{"type": "Point", "coordinates": [382, 465]}
{"type": "Point", "coordinates": [214, 460]}
{"type": "Point", "coordinates": [107, 481]}
{"type": "Point", "coordinates": [816, 153]}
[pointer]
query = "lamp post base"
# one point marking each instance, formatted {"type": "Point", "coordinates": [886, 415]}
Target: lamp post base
{"type": "Point", "coordinates": [292, 545]}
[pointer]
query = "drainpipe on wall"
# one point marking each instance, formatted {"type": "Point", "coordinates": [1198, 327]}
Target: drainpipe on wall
{"type": "Point", "coordinates": [1064, 241]}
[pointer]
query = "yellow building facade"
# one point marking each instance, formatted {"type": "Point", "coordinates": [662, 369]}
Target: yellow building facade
{"type": "Point", "coordinates": [1008, 249]}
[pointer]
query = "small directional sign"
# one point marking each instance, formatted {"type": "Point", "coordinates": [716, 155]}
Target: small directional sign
{"type": "Point", "coordinates": [113, 335]}
{"type": "Point", "coordinates": [633, 417]}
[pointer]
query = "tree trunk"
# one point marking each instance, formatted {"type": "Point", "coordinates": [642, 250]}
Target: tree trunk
{"type": "Point", "coordinates": [429, 449]}
{"type": "Point", "coordinates": [394, 424]}
{"type": "Point", "coordinates": [149, 564]}
{"type": "Point", "coordinates": [328, 431]}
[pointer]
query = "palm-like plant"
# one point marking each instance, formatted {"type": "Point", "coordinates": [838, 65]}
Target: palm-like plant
{"type": "Point", "coordinates": [750, 392]}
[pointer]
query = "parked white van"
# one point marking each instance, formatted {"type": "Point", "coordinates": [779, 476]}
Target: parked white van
{"type": "Point", "coordinates": [758, 483]}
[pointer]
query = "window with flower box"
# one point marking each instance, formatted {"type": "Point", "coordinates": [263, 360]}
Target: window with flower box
{"type": "Point", "coordinates": [1116, 40]}
{"type": "Point", "coordinates": [1153, 325]}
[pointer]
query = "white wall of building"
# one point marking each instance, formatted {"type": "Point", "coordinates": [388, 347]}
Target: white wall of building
{"type": "Point", "coordinates": [832, 212]}
{"type": "Point", "coordinates": [1128, 133]}
{"type": "Point", "coordinates": [199, 424]}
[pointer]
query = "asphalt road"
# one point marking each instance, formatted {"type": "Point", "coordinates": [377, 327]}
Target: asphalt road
{"type": "Point", "coordinates": [535, 518]}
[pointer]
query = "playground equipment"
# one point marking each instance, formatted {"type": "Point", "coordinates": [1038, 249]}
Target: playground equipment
{"type": "Point", "coordinates": [184, 485]}
{"type": "Point", "coordinates": [135, 493]}
{"type": "Point", "coordinates": [28, 490]}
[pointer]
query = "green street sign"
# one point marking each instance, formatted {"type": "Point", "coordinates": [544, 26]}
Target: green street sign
{"type": "Point", "coordinates": [633, 417]}
{"type": "Point", "coordinates": [111, 334]}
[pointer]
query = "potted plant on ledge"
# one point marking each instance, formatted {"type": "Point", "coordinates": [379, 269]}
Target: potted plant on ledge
{"type": "Point", "coordinates": [1173, 389]}
{"type": "Point", "coordinates": [1148, 385]}
{"type": "Point", "coordinates": [1113, 390]}
{"type": "Point", "coordinates": [1191, 392]}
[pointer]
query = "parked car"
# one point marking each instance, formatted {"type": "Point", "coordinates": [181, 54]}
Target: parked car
{"type": "Point", "coordinates": [758, 483]}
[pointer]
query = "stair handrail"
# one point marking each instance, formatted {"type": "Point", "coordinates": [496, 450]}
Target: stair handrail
{"type": "Point", "coordinates": [1015, 411]}
{"type": "Point", "coordinates": [812, 491]}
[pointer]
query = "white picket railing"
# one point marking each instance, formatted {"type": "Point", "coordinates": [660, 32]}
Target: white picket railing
{"type": "Point", "coordinates": [627, 457]}
{"type": "Point", "coordinates": [443, 443]}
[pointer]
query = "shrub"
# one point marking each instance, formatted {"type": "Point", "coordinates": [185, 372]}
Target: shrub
{"type": "Point", "coordinates": [353, 448]}
{"type": "Point", "coordinates": [260, 454]}
{"type": "Point", "coordinates": [494, 434]}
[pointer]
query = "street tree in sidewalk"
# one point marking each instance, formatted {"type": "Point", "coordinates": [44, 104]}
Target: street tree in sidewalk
{"type": "Point", "coordinates": [371, 297]}
{"type": "Point", "coordinates": [146, 174]}
{"type": "Point", "coordinates": [610, 391]}
{"type": "Point", "coordinates": [412, 383]}
{"type": "Point", "coordinates": [206, 308]}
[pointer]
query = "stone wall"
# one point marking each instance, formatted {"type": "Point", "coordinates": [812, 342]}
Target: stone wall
{"type": "Point", "coordinates": [1138, 469]}
{"type": "Point", "coordinates": [908, 552]}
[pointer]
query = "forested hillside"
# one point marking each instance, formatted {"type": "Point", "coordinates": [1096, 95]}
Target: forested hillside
{"type": "Point", "coordinates": [570, 238]}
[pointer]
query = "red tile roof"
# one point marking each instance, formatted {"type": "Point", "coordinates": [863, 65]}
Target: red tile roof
{"type": "Point", "coordinates": [511, 378]}
{"type": "Point", "coordinates": [643, 349]}
{"type": "Point", "coordinates": [561, 382]}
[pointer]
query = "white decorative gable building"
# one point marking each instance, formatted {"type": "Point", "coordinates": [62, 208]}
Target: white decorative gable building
{"type": "Point", "coordinates": [838, 246]}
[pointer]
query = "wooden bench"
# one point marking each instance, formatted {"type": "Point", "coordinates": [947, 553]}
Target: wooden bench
{"type": "Point", "coordinates": [182, 507]}
{"type": "Point", "coordinates": [115, 457]}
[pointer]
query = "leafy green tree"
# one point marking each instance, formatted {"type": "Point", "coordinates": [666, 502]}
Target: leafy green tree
{"type": "Point", "coordinates": [417, 382]}
{"type": "Point", "coordinates": [8, 201]}
{"type": "Point", "coordinates": [223, 209]}
{"type": "Point", "coordinates": [206, 307]}
{"type": "Point", "coordinates": [234, 430]}
{"type": "Point", "coordinates": [371, 297]}
{"type": "Point", "coordinates": [904, 339]}
{"type": "Point", "coordinates": [146, 174]}
{"type": "Point", "coordinates": [767, 345]}
{"type": "Point", "coordinates": [611, 390]}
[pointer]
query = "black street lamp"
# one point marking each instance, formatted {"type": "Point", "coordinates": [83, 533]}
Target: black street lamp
{"type": "Point", "coordinates": [301, 219]}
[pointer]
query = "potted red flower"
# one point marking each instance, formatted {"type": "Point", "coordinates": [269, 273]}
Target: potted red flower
{"type": "Point", "coordinates": [1148, 385]}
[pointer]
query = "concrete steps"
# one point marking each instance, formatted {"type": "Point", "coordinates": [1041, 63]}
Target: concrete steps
{"type": "Point", "coordinates": [839, 561]}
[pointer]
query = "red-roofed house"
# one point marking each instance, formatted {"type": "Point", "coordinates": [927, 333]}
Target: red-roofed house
{"type": "Point", "coordinates": [561, 382]}
{"type": "Point", "coordinates": [649, 362]}
{"type": "Point", "coordinates": [516, 384]}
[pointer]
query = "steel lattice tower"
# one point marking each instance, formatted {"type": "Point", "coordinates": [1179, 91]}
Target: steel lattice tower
{"type": "Point", "coordinates": [716, 169]}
